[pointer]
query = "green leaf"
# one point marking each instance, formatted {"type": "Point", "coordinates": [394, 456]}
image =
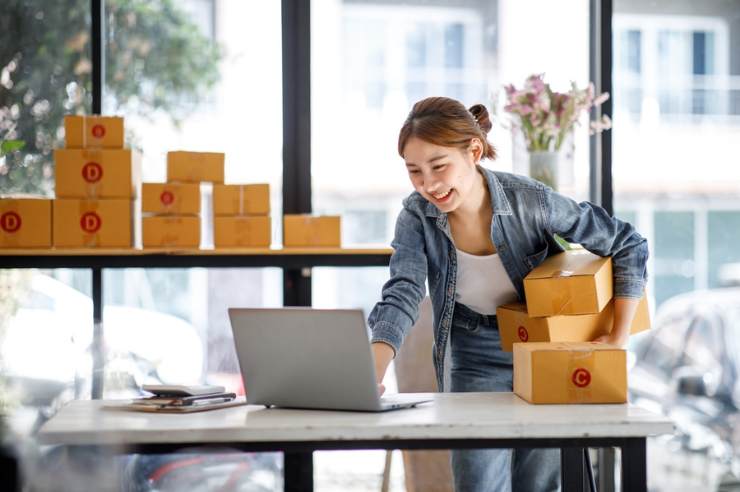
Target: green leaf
{"type": "Point", "coordinates": [9, 146]}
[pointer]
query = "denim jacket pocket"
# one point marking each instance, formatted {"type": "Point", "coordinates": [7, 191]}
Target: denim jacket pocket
{"type": "Point", "coordinates": [534, 260]}
{"type": "Point", "coordinates": [468, 325]}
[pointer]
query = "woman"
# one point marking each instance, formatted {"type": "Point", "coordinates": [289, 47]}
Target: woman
{"type": "Point", "coordinates": [474, 234]}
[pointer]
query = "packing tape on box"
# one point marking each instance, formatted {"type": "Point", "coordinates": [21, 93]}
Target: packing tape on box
{"type": "Point", "coordinates": [90, 222]}
{"type": "Point", "coordinates": [563, 295]}
{"type": "Point", "coordinates": [92, 189]}
{"type": "Point", "coordinates": [243, 229]}
{"type": "Point", "coordinates": [11, 238]}
{"type": "Point", "coordinates": [241, 199]}
{"type": "Point", "coordinates": [98, 143]}
{"type": "Point", "coordinates": [313, 234]}
{"type": "Point", "coordinates": [169, 239]}
{"type": "Point", "coordinates": [579, 376]}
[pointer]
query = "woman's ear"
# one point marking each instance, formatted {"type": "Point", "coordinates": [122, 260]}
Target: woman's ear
{"type": "Point", "coordinates": [476, 150]}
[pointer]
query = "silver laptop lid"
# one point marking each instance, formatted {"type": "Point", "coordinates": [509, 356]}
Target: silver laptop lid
{"type": "Point", "coordinates": [305, 358]}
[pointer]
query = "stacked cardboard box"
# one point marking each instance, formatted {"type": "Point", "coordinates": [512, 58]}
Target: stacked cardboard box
{"type": "Point", "coordinates": [312, 231]}
{"type": "Point", "coordinates": [170, 215]}
{"type": "Point", "coordinates": [25, 222]}
{"type": "Point", "coordinates": [173, 211]}
{"type": "Point", "coordinates": [97, 185]}
{"type": "Point", "coordinates": [241, 215]}
{"type": "Point", "coordinates": [569, 303]}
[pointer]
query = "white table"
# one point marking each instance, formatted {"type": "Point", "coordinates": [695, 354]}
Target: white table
{"type": "Point", "coordinates": [451, 421]}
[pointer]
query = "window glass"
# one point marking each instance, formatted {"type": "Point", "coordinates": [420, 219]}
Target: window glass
{"type": "Point", "coordinates": [675, 114]}
{"type": "Point", "coordinates": [183, 74]}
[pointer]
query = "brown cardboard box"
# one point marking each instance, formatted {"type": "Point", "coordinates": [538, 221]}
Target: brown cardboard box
{"type": "Point", "coordinates": [194, 167]}
{"type": "Point", "coordinates": [170, 198]}
{"type": "Point", "coordinates": [312, 231]}
{"type": "Point", "coordinates": [516, 326]}
{"type": "Point", "coordinates": [247, 199]}
{"type": "Point", "coordinates": [570, 372]}
{"type": "Point", "coordinates": [242, 231]}
{"type": "Point", "coordinates": [171, 231]}
{"type": "Point", "coordinates": [572, 282]}
{"type": "Point", "coordinates": [83, 132]}
{"type": "Point", "coordinates": [93, 223]}
{"type": "Point", "coordinates": [25, 222]}
{"type": "Point", "coordinates": [97, 173]}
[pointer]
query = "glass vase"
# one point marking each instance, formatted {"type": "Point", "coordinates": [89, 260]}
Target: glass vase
{"type": "Point", "coordinates": [543, 166]}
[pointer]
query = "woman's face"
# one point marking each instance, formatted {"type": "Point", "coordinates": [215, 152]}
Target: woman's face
{"type": "Point", "coordinates": [443, 175]}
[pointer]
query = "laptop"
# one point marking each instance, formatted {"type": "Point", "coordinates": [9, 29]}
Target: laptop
{"type": "Point", "coordinates": [309, 358]}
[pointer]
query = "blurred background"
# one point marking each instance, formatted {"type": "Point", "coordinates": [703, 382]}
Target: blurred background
{"type": "Point", "coordinates": [205, 75]}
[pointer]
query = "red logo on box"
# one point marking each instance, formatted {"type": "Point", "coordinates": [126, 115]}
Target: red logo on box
{"type": "Point", "coordinates": [581, 377]}
{"type": "Point", "coordinates": [523, 335]}
{"type": "Point", "coordinates": [167, 197]}
{"type": "Point", "coordinates": [10, 221]}
{"type": "Point", "coordinates": [98, 131]}
{"type": "Point", "coordinates": [92, 172]}
{"type": "Point", "coordinates": [90, 222]}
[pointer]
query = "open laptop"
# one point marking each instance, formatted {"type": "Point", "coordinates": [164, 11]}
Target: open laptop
{"type": "Point", "coordinates": [309, 358]}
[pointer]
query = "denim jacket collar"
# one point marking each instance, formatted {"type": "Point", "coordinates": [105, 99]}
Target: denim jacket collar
{"type": "Point", "coordinates": [499, 202]}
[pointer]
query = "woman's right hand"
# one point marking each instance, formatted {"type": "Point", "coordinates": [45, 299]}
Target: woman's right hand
{"type": "Point", "coordinates": [382, 356]}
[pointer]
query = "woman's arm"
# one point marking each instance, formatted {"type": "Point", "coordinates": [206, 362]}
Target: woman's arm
{"type": "Point", "coordinates": [392, 317]}
{"type": "Point", "coordinates": [592, 227]}
{"type": "Point", "coordinates": [624, 312]}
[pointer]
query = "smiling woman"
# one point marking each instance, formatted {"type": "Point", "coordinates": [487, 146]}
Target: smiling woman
{"type": "Point", "coordinates": [477, 229]}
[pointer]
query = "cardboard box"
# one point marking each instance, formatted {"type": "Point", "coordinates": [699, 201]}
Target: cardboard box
{"type": "Point", "coordinates": [170, 198]}
{"type": "Point", "coordinates": [171, 232]}
{"type": "Point", "coordinates": [247, 199]}
{"type": "Point", "coordinates": [97, 173]}
{"type": "Point", "coordinates": [25, 222]}
{"type": "Point", "coordinates": [194, 167]}
{"type": "Point", "coordinates": [516, 326]}
{"type": "Point", "coordinates": [93, 223]}
{"type": "Point", "coordinates": [311, 231]}
{"type": "Point", "coordinates": [572, 282]}
{"type": "Point", "coordinates": [84, 132]}
{"type": "Point", "coordinates": [243, 231]}
{"type": "Point", "coordinates": [570, 372]}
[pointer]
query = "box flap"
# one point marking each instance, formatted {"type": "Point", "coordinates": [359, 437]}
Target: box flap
{"type": "Point", "coordinates": [569, 264]}
{"type": "Point", "coordinates": [518, 307]}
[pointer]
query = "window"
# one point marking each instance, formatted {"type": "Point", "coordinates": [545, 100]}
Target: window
{"type": "Point", "coordinates": [675, 116]}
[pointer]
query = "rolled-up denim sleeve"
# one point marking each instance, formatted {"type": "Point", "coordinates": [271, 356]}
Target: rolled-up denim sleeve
{"type": "Point", "coordinates": [592, 227]}
{"type": "Point", "coordinates": [392, 317]}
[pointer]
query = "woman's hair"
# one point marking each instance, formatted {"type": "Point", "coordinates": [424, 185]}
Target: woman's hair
{"type": "Point", "coordinates": [445, 122]}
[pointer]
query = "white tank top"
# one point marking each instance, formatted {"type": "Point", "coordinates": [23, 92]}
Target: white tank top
{"type": "Point", "coordinates": [482, 282]}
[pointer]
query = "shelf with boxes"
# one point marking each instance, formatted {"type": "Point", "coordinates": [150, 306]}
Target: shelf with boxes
{"type": "Point", "coordinates": [102, 210]}
{"type": "Point", "coordinates": [95, 221]}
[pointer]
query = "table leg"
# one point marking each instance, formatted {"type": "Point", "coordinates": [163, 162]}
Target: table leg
{"type": "Point", "coordinates": [572, 469]}
{"type": "Point", "coordinates": [634, 465]}
{"type": "Point", "coordinates": [98, 344]}
{"type": "Point", "coordinates": [606, 470]}
{"type": "Point", "coordinates": [298, 472]}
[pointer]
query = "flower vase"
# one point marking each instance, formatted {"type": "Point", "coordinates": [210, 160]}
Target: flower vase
{"type": "Point", "coordinates": [543, 166]}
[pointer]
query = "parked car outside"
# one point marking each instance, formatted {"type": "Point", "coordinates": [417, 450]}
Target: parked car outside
{"type": "Point", "coordinates": [687, 368]}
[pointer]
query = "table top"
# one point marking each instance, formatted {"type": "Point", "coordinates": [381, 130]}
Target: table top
{"type": "Point", "coordinates": [447, 416]}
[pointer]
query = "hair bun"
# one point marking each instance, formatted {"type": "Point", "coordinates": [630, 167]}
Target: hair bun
{"type": "Point", "coordinates": [480, 113]}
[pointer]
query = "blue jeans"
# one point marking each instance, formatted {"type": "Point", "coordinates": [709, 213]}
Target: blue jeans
{"type": "Point", "coordinates": [479, 364]}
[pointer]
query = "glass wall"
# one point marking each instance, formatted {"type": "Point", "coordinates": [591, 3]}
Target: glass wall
{"type": "Point", "coordinates": [372, 60]}
{"type": "Point", "coordinates": [199, 75]}
{"type": "Point", "coordinates": [676, 118]}
{"type": "Point", "coordinates": [45, 72]}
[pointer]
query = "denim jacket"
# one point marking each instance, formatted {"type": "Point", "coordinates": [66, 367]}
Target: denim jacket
{"type": "Point", "coordinates": [526, 214]}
